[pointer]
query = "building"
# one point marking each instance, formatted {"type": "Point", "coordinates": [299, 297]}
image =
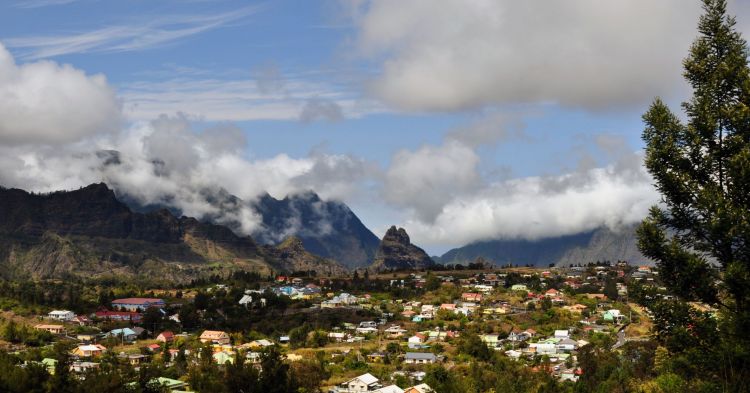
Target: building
{"type": "Point", "coordinates": [420, 358]}
{"type": "Point", "coordinates": [421, 388]}
{"type": "Point", "coordinates": [471, 297]}
{"type": "Point", "coordinates": [54, 329]}
{"type": "Point", "coordinates": [89, 350]}
{"type": "Point", "coordinates": [215, 337]}
{"type": "Point", "coordinates": [137, 303]}
{"type": "Point", "coordinates": [363, 383]}
{"type": "Point", "coordinates": [389, 389]}
{"type": "Point", "coordinates": [61, 315]}
{"type": "Point", "coordinates": [119, 316]}
{"type": "Point", "coordinates": [126, 334]}
{"type": "Point", "coordinates": [165, 337]}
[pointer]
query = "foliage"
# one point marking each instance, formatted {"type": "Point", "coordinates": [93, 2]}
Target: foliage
{"type": "Point", "coordinates": [700, 236]}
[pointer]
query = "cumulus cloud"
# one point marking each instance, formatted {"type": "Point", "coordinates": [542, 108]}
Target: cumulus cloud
{"type": "Point", "coordinates": [580, 53]}
{"type": "Point", "coordinates": [45, 102]}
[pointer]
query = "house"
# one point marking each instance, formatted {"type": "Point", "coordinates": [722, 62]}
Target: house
{"type": "Point", "coordinates": [613, 315]}
{"type": "Point", "coordinates": [376, 357]}
{"type": "Point", "coordinates": [89, 350]}
{"type": "Point", "coordinates": [119, 316]}
{"type": "Point", "coordinates": [54, 329]}
{"type": "Point", "coordinates": [223, 357]}
{"type": "Point", "coordinates": [153, 347]}
{"type": "Point", "coordinates": [513, 354]}
{"type": "Point", "coordinates": [576, 308]}
{"type": "Point", "coordinates": [552, 293]}
{"type": "Point", "coordinates": [81, 320]}
{"type": "Point", "coordinates": [394, 331]}
{"type": "Point", "coordinates": [125, 334]}
{"type": "Point", "coordinates": [171, 384]}
{"type": "Point", "coordinates": [562, 334]}
{"type": "Point", "coordinates": [519, 287]}
{"type": "Point", "coordinates": [137, 303]}
{"type": "Point", "coordinates": [165, 336]}
{"type": "Point", "coordinates": [136, 359]}
{"type": "Point", "coordinates": [82, 367]}
{"type": "Point", "coordinates": [421, 388]}
{"type": "Point", "coordinates": [50, 365]}
{"type": "Point", "coordinates": [492, 340]}
{"type": "Point", "coordinates": [471, 297]}
{"type": "Point", "coordinates": [214, 337]}
{"type": "Point", "coordinates": [368, 324]}
{"type": "Point", "coordinates": [420, 358]}
{"type": "Point", "coordinates": [566, 345]}
{"type": "Point", "coordinates": [86, 337]}
{"type": "Point", "coordinates": [389, 389]}
{"type": "Point", "coordinates": [448, 306]}
{"type": "Point", "coordinates": [363, 383]}
{"type": "Point", "coordinates": [61, 315]}
{"type": "Point", "coordinates": [337, 336]}
{"type": "Point", "coordinates": [544, 348]}
{"type": "Point", "coordinates": [417, 340]}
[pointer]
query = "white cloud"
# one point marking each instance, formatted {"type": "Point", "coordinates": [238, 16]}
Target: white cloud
{"type": "Point", "coordinates": [539, 207]}
{"type": "Point", "coordinates": [127, 37]}
{"type": "Point", "coordinates": [302, 97]}
{"type": "Point", "coordinates": [167, 161]}
{"type": "Point", "coordinates": [431, 176]}
{"type": "Point", "coordinates": [579, 53]}
{"type": "Point", "coordinates": [45, 102]}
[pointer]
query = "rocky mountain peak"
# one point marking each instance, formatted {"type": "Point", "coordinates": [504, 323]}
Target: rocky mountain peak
{"type": "Point", "coordinates": [397, 252]}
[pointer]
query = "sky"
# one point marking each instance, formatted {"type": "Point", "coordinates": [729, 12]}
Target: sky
{"type": "Point", "coordinates": [460, 120]}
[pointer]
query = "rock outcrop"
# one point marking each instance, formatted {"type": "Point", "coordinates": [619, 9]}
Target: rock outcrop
{"type": "Point", "coordinates": [397, 252]}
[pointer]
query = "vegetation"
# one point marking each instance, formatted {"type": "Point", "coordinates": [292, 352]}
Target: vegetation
{"type": "Point", "coordinates": [699, 235]}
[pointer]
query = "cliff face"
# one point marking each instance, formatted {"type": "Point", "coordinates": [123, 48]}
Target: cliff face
{"type": "Point", "coordinates": [89, 232]}
{"type": "Point", "coordinates": [397, 252]}
{"type": "Point", "coordinates": [326, 228]}
{"type": "Point", "coordinates": [90, 211]}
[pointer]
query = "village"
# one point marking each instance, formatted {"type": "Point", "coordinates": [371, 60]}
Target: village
{"type": "Point", "coordinates": [540, 318]}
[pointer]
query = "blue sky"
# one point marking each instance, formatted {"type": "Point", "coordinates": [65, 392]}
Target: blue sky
{"type": "Point", "coordinates": [550, 93]}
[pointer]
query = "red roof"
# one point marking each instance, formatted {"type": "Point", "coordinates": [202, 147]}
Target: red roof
{"type": "Point", "coordinates": [154, 346]}
{"type": "Point", "coordinates": [167, 334]}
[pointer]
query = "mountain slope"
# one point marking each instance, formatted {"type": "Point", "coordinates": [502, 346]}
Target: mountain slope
{"type": "Point", "coordinates": [397, 252]}
{"type": "Point", "coordinates": [90, 232]}
{"type": "Point", "coordinates": [599, 245]}
{"type": "Point", "coordinates": [326, 228]}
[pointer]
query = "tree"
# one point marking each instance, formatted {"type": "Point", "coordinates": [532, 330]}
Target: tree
{"type": "Point", "coordinates": [700, 235]}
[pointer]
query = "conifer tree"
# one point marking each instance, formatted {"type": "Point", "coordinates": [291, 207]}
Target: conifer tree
{"type": "Point", "coordinates": [700, 233]}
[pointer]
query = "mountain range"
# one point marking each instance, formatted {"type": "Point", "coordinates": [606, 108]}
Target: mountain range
{"type": "Point", "coordinates": [601, 244]}
{"type": "Point", "coordinates": [89, 232]}
{"type": "Point", "coordinates": [95, 231]}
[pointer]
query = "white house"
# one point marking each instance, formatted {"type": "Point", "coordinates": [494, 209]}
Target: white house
{"type": "Point", "coordinates": [363, 383]}
{"type": "Point", "coordinates": [420, 358]}
{"type": "Point", "coordinates": [389, 389]}
{"type": "Point", "coordinates": [544, 348]}
{"type": "Point", "coordinates": [562, 334]}
{"type": "Point", "coordinates": [61, 315]}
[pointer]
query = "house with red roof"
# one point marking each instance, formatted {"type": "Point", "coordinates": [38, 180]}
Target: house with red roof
{"type": "Point", "coordinates": [165, 336]}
